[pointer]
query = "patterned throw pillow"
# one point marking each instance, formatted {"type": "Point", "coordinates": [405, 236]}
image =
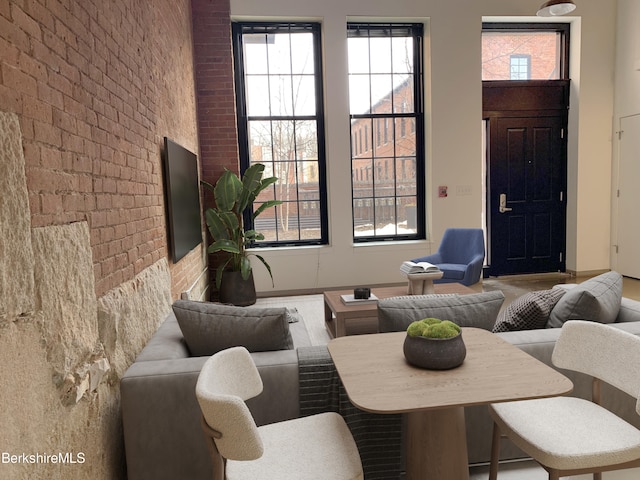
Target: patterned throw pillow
{"type": "Point", "coordinates": [528, 312]}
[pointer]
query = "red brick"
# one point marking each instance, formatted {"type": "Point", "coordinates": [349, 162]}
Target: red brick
{"type": "Point", "coordinates": [25, 22]}
{"type": "Point", "coordinates": [17, 80]}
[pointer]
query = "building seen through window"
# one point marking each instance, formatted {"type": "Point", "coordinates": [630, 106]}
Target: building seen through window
{"type": "Point", "coordinates": [280, 124]}
{"type": "Point", "coordinates": [387, 158]}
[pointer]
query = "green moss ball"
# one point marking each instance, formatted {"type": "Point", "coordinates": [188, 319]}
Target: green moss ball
{"type": "Point", "coordinates": [415, 329]}
{"type": "Point", "coordinates": [442, 330]}
{"type": "Point", "coordinates": [431, 321]}
{"type": "Point", "coordinates": [452, 325]}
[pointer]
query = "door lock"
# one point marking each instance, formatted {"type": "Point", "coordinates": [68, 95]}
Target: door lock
{"type": "Point", "coordinates": [503, 204]}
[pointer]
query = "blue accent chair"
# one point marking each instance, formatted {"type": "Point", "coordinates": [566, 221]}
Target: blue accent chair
{"type": "Point", "coordinates": [460, 256]}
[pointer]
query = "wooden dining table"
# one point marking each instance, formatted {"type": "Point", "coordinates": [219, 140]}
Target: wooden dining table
{"type": "Point", "coordinates": [378, 379]}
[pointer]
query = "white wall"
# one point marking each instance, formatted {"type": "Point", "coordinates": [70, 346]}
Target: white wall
{"type": "Point", "coordinates": [454, 108]}
{"type": "Point", "coordinates": [627, 89]}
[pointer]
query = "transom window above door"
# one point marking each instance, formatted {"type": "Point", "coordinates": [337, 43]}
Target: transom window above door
{"type": "Point", "coordinates": [518, 51]}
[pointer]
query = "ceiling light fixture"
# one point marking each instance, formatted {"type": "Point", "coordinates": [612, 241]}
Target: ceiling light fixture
{"type": "Point", "coordinates": [554, 8]}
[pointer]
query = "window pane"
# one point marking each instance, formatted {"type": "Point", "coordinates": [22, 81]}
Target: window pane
{"type": "Point", "coordinates": [279, 54]}
{"type": "Point", "coordinates": [403, 97]}
{"type": "Point", "coordinates": [307, 143]}
{"type": "Point", "coordinates": [257, 95]}
{"type": "Point", "coordinates": [255, 54]}
{"type": "Point", "coordinates": [358, 55]}
{"type": "Point", "coordinates": [541, 48]}
{"type": "Point", "coordinates": [302, 54]}
{"type": "Point", "coordinates": [402, 55]}
{"type": "Point", "coordinates": [360, 103]}
{"type": "Point", "coordinates": [381, 90]}
{"type": "Point", "coordinates": [381, 55]}
{"type": "Point", "coordinates": [304, 96]}
{"type": "Point", "coordinates": [281, 95]}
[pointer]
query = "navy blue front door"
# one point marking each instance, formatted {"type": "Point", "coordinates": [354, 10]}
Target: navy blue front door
{"type": "Point", "coordinates": [527, 194]}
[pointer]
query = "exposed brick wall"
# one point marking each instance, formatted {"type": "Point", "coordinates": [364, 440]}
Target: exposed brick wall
{"type": "Point", "coordinates": [215, 87]}
{"type": "Point", "coordinates": [97, 85]}
{"type": "Point", "coordinates": [215, 92]}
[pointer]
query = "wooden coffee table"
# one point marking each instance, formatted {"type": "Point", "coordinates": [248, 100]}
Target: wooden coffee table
{"type": "Point", "coordinates": [378, 379]}
{"type": "Point", "coordinates": [341, 319]}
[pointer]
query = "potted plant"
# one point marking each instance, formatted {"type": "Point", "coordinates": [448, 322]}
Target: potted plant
{"type": "Point", "coordinates": [434, 344]}
{"type": "Point", "coordinates": [232, 196]}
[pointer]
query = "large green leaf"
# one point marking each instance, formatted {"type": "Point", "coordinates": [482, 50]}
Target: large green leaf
{"type": "Point", "coordinates": [265, 205]}
{"type": "Point", "coordinates": [219, 272]}
{"type": "Point", "coordinates": [230, 221]}
{"type": "Point", "coordinates": [217, 226]}
{"type": "Point", "coordinates": [227, 190]}
{"type": "Point", "coordinates": [251, 181]}
{"type": "Point", "coordinates": [264, 262]}
{"type": "Point", "coordinates": [266, 182]}
{"type": "Point", "coordinates": [252, 235]}
{"type": "Point", "coordinates": [245, 267]}
{"type": "Point", "coordinates": [223, 246]}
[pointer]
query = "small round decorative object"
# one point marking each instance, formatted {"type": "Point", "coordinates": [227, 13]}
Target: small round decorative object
{"type": "Point", "coordinates": [435, 353]}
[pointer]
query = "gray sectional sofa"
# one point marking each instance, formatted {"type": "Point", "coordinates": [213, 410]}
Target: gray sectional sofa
{"type": "Point", "coordinates": [160, 413]}
{"type": "Point", "coordinates": [161, 418]}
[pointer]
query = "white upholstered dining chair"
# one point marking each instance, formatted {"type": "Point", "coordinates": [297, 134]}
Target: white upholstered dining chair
{"type": "Point", "coordinates": [317, 447]}
{"type": "Point", "coordinates": [573, 436]}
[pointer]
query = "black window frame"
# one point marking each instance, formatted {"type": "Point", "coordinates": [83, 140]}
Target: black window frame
{"type": "Point", "coordinates": [238, 29]}
{"type": "Point", "coordinates": [416, 31]}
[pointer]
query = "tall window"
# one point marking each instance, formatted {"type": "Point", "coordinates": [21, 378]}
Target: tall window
{"type": "Point", "coordinates": [278, 75]}
{"type": "Point", "coordinates": [385, 93]}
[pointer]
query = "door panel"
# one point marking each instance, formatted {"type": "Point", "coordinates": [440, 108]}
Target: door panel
{"type": "Point", "coordinates": [628, 261]}
{"type": "Point", "coordinates": [527, 163]}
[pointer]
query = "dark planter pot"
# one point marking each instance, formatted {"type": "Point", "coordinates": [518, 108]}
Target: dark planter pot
{"type": "Point", "coordinates": [235, 290]}
{"type": "Point", "coordinates": [435, 353]}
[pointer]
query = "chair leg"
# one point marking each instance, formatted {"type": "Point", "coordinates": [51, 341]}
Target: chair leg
{"type": "Point", "coordinates": [495, 453]}
{"type": "Point", "coordinates": [218, 463]}
{"type": "Point", "coordinates": [597, 476]}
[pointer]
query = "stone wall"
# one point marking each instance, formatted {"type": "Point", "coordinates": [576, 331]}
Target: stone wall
{"type": "Point", "coordinates": [88, 90]}
{"type": "Point", "coordinates": [63, 350]}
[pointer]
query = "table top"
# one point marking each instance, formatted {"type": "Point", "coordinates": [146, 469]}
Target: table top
{"type": "Point", "coordinates": [378, 379]}
{"type": "Point", "coordinates": [333, 296]}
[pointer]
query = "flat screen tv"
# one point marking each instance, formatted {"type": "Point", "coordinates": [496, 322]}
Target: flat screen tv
{"type": "Point", "coordinates": [182, 195]}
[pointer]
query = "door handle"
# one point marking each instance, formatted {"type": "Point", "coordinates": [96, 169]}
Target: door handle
{"type": "Point", "coordinates": [503, 204]}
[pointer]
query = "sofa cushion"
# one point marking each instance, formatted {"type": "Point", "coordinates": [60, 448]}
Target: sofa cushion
{"type": "Point", "coordinates": [210, 327]}
{"type": "Point", "coordinates": [529, 311]}
{"type": "Point", "coordinates": [597, 299]}
{"type": "Point", "coordinates": [473, 310]}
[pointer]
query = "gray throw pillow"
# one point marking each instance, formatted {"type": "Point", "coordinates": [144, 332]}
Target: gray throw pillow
{"type": "Point", "coordinates": [597, 299]}
{"type": "Point", "coordinates": [529, 311]}
{"type": "Point", "coordinates": [210, 327]}
{"type": "Point", "coordinates": [473, 310]}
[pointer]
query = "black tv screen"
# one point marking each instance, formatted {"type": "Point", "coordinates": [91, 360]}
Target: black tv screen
{"type": "Point", "coordinates": [182, 194]}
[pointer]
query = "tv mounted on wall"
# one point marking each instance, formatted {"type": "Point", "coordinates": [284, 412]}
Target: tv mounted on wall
{"type": "Point", "coordinates": [182, 195]}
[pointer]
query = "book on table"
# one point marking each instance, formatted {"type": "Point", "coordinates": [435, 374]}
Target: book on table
{"type": "Point", "coordinates": [351, 300]}
{"type": "Point", "coordinates": [410, 267]}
